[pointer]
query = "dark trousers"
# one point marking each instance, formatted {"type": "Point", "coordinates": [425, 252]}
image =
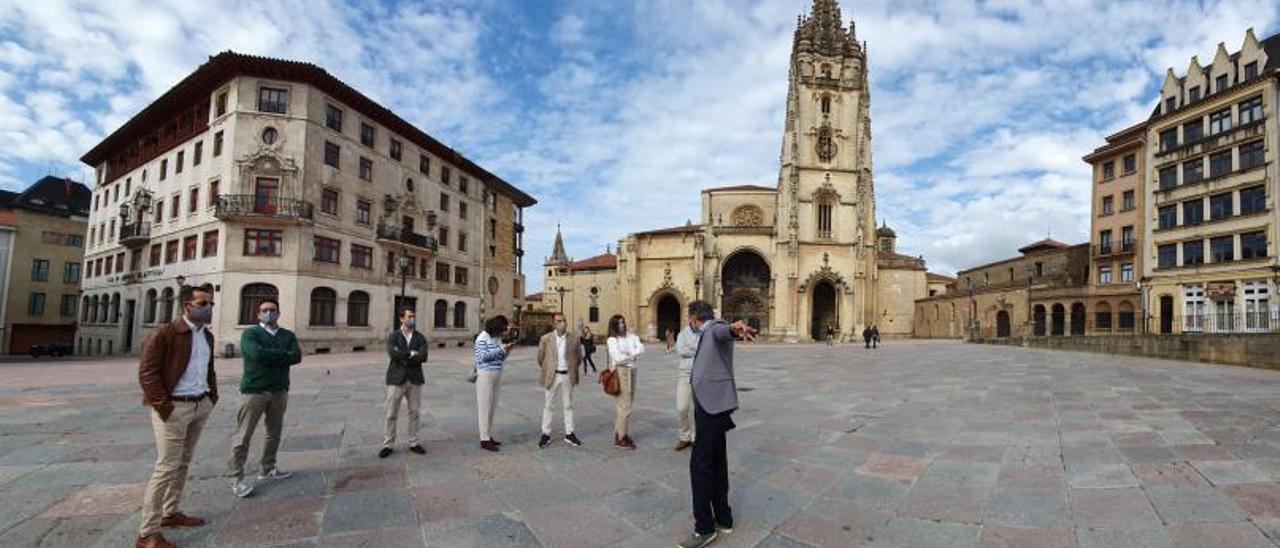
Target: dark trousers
{"type": "Point", "coordinates": [586, 360]}
{"type": "Point", "coordinates": [709, 470]}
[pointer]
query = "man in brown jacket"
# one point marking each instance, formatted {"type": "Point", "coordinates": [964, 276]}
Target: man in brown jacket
{"type": "Point", "coordinates": [178, 383]}
{"type": "Point", "coordinates": [558, 357]}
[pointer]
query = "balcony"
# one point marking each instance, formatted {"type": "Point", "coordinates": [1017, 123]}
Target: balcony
{"type": "Point", "coordinates": [1109, 249]}
{"type": "Point", "coordinates": [263, 208]}
{"type": "Point", "coordinates": [390, 233]}
{"type": "Point", "coordinates": [135, 235]}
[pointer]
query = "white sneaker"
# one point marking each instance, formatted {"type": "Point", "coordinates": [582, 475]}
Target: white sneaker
{"type": "Point", "coordinates": [275, 474]}
{"type": "Point", "coordinates": [241, 488]}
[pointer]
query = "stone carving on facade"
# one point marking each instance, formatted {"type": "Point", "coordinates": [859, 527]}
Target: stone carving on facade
{"type": "Point", "coordinates": [825, 272]}
{"type": "Point", "coordinates": [747, 215]}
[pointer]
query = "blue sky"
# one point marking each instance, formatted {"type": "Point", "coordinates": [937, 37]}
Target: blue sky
{"type": "Point", "coordinates": [614, 113]}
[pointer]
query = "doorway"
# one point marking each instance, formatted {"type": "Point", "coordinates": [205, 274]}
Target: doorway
{"type": "Point", "coordinates": [824, 311]}
{"type": "Point", "coordinates": [668, 317]}
{"type": "Point", "coordinates": [1002, 324]}
{"type": "Point", "coordinates": [129, 307]}
{"type": "Point", "coordinates": [1166, 314]}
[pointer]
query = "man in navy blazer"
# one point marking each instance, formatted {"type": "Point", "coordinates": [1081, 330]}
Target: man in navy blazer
{"type": "Point", "coordinates": [715, 397]}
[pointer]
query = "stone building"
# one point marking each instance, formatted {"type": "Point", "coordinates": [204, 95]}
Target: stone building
{"type": "Point", "coordinates": [41, 249]}
{"type": "Point", "coordinates": [789, 259]}
{"type": "Point", "coordinates": [1212, 245]}
{"type": "Point", "coordinates": [273, 178]}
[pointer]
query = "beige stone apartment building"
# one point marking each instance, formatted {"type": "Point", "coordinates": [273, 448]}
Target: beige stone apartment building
{"type": "Point", "coordinates": [1211, 244]}
{"type": "Point", "coordinates": [274, 179]}
{"type": "Point", "coordinates": [43, 229]}
{"type": "Point", "coordinates": [1113, 297]}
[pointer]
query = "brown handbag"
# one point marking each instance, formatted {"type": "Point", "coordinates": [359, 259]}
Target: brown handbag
{"type": "Point", "coordinates": [609, 380]}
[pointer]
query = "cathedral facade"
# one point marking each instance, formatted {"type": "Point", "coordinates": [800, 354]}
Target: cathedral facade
{"type": "Point", "coordinates": [793, 259]}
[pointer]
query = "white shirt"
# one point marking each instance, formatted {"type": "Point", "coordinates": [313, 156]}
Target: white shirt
{"type": "Point", "coordinates": [561, 366]}
{"type": "Point", "coordinates": [271, 330]}
{"type": "Point", "coordinates": [195, 380]}
{"type": "Point", "coordinates": [408, 340]}
{"type": "Point", "coordinates": [624, 350]}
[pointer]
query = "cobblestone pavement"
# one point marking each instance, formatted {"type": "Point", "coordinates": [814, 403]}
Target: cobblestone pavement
{"type": "Point", "coordinates": [914, 445]}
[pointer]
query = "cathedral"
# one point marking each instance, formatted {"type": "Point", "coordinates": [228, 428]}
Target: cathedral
{"type": "Point", "coordinates": [794, 259]}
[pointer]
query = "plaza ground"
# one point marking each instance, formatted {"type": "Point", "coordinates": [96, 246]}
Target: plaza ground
{"type": "Point", "coordinates": [914, 445]}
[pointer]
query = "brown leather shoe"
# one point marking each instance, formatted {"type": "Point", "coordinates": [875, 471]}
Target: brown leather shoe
{"type": "Point", "coordinates": [179, 519]}
{"type": "Point", "coordinates": [488, 445]}
{"type": "Point", "coordinates": [682, 445]}
{"type": "Point", "coordinates": [626, 443]}
{"type": "Point", "coordinates": [154, 541]}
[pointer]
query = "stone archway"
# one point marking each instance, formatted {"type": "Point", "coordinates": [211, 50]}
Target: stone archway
{"type": "Point", "coordinates": [1002, 324]}
{"type": "Point", "coordinates": [1038, 321]}
{"type": "Point", "coordinates": [745, 280]}
{"type": "Point", "coordinates": [823, 311]}
{"type": "Point", "coordinates": [1058, 326]}
{"type": "Point", "coordinates": [667, 314]}
{"type": "Point", "coordinates": [1078, 316]}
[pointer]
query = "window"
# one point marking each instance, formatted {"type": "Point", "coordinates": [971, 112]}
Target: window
{"type": "Point", "coordinates": [171, 252]}
{"type": "Point", "coordinates": [210, 244]}
{"type": "Point", "coordinates": [1193, 212]}
{"type": "Point", "coordinates": [173, 208]}
{"type": "Point", "coordinates": [1130, 163]}
{"type": "Point", "coordinates": [460, 315]}
{"type": "Point", "coordinates": [1102, 315]}
{"type": "Point", "coordinates": [362, 256]}
{"type": "Point", "coordinates": [1220, 164]}
{"type": "Point", "coordinates": [1253, 245]}
{"type": "Point", "coordinates": [446, 175]}
{"type": "Point", "coordinates": [493, 228]}
{"type": "Point", "coordinates": [333, 117]}
{"type": "Point", "coordinates": [366, 134]}
{"type": "Point", "coordinates": [251, 296]}
{"type": "Point", "coordinates": [463, 183]}
{"type": "Point", "coordinates": [1220, 121]}
{"type": "Point", "coordinates": [424, 164]}
{"type": "Point", "coordinates": [193, 199]}
{"type": "Point", "coordinates": [444, 237]}
{"type": "Point", "coordinates": [462, 210]}
{"type": "Point", "coordinates": [1251, 111]}
{"type": "Point", "coordinates": [196, 153]}
{"type": "Point", "coordinates": [1192, 253]}
{"type": "Point", "coordinates": [1127, 201]}
{"type": "Point", "coordinates": [1253, 199]}
{"type": "Point", "coordinates": [189, 247]}
{"type": "Point", "coordinates": [164, 168]}
{"type": "Point", "coordinates": [1251, 155]}
{"type": "Point", "coordinates": [444, 202]}
{"type": "Point", "coordinates": [1251, 71]}
{"type": "Point", "coordinates": [155, 255]}
{"type": "Point", "coordinates": [358, 309]}
{"type": "Point", "coordinates": [424, 270]}
{"type": "Point", "coordinates": [1108, 205]}
{"type": "Point", "coordinates": [327, 249]}
{"type": "Point", "coordinates": [1193, 171]}
{"type": "Point", "coordinates": [363, 208]}
{"type": "Point", "coordinates": [462, 241]}
{"type": "Point", "coordinates": [1104, 240]}
{"type": "Point", "coordinates": [593, 314]}
{"type": "Point", "coordinates": [1127, 238]}
{"type": "Point", "coordinates": [40, 270]}
{"type": "Point", "coordinates": [394, 151]}
{"type": "Point", "coordinates": [1170, 104]}
{"type": "Point", "coordinates": [1108, 171]}
{"type": "Point", "coordinates": [1222, 249]}
{"type": "Point", "coordinates": [1104, 274]}
{"type": "Point", "coordinates": [1193, 131]}
{"type": "Point", "coordinates": [166, 305]}
{"type": "Point", "coordinates": [408, 185]}
{"type": "Point", "coordinates": [391, 262]}
{"type": "Point", "coordinates": [1220, 206]}
{"type": "Point", "coordinates": [71, 273]}
{"type": "Point", "coordinates": [441, 317]}
{"type": "Point", "coordinates": [263, 243]}
{"type": "Point", "coordinates": [332, 155]}
{"type": "Point", "coordinates": [213, 193]}
{"type": "Point", "coordinates": [35, 305]}
{"type": "Point", "coordinates": [1167, 256]}
{"type": "Point", "coordinates": [1168, 178]}
{"type": "Point", "coordinates": [273, 100]}
{"type": "Point", "coordinates": [324, 302]}
{"type": "Point", "coordinates": [1193, 94]}
{"type": "Point", "coordinates": [1168, 139]}
{"type": "Point", "coordinates": [177, 163]}
{"type": "Point", "coordinates": [1221, 83]}
{"type": "Point", "coordinates": [220, 104]}
{"type": "Point", "coordinates": [68, 307]}
{"type": "Point", "coordinates": [217, 144]}
{"type": "Point", "coordinates": [460, 276]}
{"type": "Point", "coordinates": [366, 169]}
{"type": "Point", "coordinates": [1126, 272]}
{"type": "Point", "coordinates": [329, 201]}
{"type": "Point", "coordinates": [442, 272]}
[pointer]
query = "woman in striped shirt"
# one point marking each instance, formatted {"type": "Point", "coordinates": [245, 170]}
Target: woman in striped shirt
{"type": "Point", "coordinates": [490, 354]}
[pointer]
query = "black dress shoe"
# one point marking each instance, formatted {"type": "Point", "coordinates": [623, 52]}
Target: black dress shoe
{"type": "Point", "coordinates": [417, 449]}
{"type": "Point", "coordinates": [544, 441]}
{"type": "Point", "coordinates": [384, 452]}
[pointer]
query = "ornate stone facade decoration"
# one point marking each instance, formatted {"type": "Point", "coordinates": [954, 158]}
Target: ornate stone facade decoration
{"type": "Point", "coordinates": [748, 216]}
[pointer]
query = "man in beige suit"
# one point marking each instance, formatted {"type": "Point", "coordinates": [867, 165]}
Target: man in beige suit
{"type": "Point", "coordinates": [558, 357]}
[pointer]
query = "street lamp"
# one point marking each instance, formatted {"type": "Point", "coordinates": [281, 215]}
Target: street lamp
{"type": "Point", "coordinates": [562, 290]}
{"type": "Point", "coordinates": [403, 261]}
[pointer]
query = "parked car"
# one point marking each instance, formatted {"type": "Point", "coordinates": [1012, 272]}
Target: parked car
{"type": "Point", "coordinates": [55, 349]}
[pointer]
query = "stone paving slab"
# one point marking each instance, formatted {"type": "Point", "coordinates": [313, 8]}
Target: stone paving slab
{"type": "Point", "coordinates": [913, 445]}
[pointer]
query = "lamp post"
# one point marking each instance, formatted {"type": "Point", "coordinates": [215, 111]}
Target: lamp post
{"type": "Point", "coordinates": [403, 263]}
{"type": "Point", "coordinates": [562, 290]}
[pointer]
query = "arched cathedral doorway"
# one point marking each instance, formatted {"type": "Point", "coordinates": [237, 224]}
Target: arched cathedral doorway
{"type": "Point", "coordinates": [824, 311]}
{"type": "Point", "coordinates": [745, 282]}
{"type": "Point", "coordinates": [668, 316]}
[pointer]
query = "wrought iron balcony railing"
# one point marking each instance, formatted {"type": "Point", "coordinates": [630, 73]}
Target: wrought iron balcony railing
{"type": "Point", "coordinates": [393, 233]}
{"type": "Point", "coordinates": [254, 206]}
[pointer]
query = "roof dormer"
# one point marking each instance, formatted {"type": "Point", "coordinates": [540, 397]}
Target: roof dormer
{"type": "Point", "coordinates": [1253, 57]}
{"type": "Point", "coordinates": [1222, 72]}
{"type": "Point", "coordinates": [1194, 84]}
{"type": "Point", "coordinates": [1170, 92]}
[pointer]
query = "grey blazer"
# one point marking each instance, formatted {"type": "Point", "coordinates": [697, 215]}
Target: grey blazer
{"type": "Point", "coordinates": [713, 384]}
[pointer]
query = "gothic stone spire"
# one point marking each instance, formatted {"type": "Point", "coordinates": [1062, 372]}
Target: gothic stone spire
{"type": "Point", "coordinates": [558, 256]}
{"type": "Point", "coordinates": [823, 31]}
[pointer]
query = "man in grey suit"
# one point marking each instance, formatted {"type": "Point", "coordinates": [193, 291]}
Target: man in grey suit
{"type": "Point", "coordinates": [715, 397]}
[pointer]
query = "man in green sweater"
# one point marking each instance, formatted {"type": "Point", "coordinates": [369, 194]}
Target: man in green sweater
{"type": "Point", "coordinates": [269, 350]}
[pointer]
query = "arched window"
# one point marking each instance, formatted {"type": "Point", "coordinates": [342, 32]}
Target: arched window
{"type": "Point", "coordinates": [826, 104]}
{"type": "Point", "coordinates": [826, 71]}
{"type": "Point", "coordinates": [441, 314]}
{"type": "Point", "coordinates": [85, 306]}
{"type": "Point", "coordinates": [166, 305]}
{"type": "Point", "coordinates": [149, 312]}
{"type": "Point", "coordinates": [460, 315]}
{"type": "Point", "coordinates": [93, 310]}
{"type": "Point", "coordinates": [323, 303]}
{"type": "Point", "coordinates": [115, 309]}
{"type": "Point", "coordinates": [358, 309]}
{"type": "Point", "coordinates": [408, 185]}
{"type": "Point", "coordinates": [824, 218]}
{"type": "Point", "coordinates": [250, 296]}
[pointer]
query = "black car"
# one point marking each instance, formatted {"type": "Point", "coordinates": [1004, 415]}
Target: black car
{"type": "Point", "coordinates": [55, 349]}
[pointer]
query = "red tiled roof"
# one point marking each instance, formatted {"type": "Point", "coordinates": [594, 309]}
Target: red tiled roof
{"type": "Point", "coordinates": [1047, 243]}
{"type": "Point", "coordinates": [599, 262]}
{"type": "Point", "coordinates": [739, 187]}
{"type": "Point", "coordinates": [533, 297]}
{"type": "Point", "coordinates": [8, 218]}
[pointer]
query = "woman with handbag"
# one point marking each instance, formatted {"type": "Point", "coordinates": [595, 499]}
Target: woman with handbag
{"type": "Point", "coordinates": [588, 348]}
{"type": "Point", "coordinates": [490, 354]}
{"type": "Point", "coordinates": [624, 349]}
